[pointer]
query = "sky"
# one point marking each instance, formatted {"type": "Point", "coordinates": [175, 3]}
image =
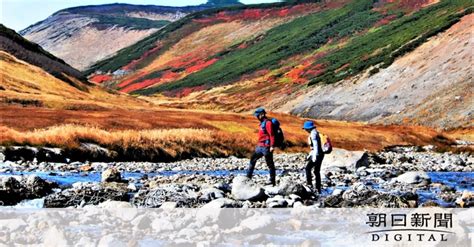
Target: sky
{"type": "Point", "coordinates": [19, 14]}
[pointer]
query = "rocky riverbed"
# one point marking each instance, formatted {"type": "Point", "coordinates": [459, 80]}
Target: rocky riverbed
{"type": "Point", "coordinates": [404, 177]}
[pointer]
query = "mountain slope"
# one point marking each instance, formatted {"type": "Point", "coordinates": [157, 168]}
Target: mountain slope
{"type": "Point", "coordinates": [82, 35]}
{"type": "Point", "coordinates": [30, 76]}
{"type": "Point", "coordinates": [17, 46]}
{"type": "Point", "coordinates": [240, 58]}
{"type": "Point", "coordinates": [433, 86]}
{"type": "Point", "coordinates": [194, 43]}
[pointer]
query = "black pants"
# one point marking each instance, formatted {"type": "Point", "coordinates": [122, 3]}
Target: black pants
{"type": "Point", "coordinates": [259, 153]}
{"type": "Point", "coordinates": [316, 167]}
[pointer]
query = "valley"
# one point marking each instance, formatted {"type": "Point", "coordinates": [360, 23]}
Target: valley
{"type": "Point", "coordinates": [163, 115]}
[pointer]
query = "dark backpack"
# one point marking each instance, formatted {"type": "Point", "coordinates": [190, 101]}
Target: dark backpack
{"type": "Point", "coordinates": [279, 136]}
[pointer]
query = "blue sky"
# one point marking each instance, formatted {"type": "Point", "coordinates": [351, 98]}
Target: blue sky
{"type": "Point", "coordinates": [19, 14]}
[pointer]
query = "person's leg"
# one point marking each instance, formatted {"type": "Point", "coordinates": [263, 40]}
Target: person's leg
{"type": "Point", "coordinates": [271, 167]}
{"type": "Point", "coordinates": [317, 172]}
{"type": "Point", "coordinates": [253, 161]}
{"type": "Point", "coordinates": [309, 168]}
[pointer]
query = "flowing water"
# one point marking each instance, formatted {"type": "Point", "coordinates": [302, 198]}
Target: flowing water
{"type": "Point", "coordinates": [459, 180]}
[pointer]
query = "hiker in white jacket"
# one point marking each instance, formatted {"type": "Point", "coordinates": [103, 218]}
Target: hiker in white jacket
{"type": "Point", "coordinates": [316, 155]}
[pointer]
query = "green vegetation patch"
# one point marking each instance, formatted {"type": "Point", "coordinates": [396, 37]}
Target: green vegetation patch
{"type": "Point", "coordinates": [133, 23]}
{"type": "Point", "coordinates": [178, 28]}
{"type": "Point", "coordinates": [363, 50]}
{"type": "Point", "coordinates": [298, 36]}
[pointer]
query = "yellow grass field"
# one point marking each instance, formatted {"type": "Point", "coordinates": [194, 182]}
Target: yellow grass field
{"type": "Point", "coordinates": [183, 131]}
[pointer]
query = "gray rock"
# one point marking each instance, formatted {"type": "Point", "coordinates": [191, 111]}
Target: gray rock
{"type": "Point", "coordinates": [276, 202]}
{"type": "Point", "coordinates": [90, 193]}
{"type": "Point", "coordinates": [17, 153]}
{"type": "Point", "coordinates": [221, 203]}
{"type": "Point", "coordinates": [111, 175]}
{"type": "Point", "coordinates": [115, 204]}
{"type": "Point", "coordinates": [211, 194]}
{"type": "Point", "coordinates": [132, 187]}
{"type": "Point", "coordinates": [413, 177]}
{"type": "Point", "coordinates": [169, 205]}
{"type": "Point", "coordinates": [351, 160]}
{"type": "Point", "coordinates": [258, 222]}
{"type": "Point", "coordinates": [337, 192]}
{"type": "Point", "coordinates": [288, 187]}
{"type": "Point", "coordinates": [244, 189]}
{"type": "Point", "coordinates": [13, 190]}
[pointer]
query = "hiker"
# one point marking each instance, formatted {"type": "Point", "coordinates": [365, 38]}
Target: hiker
{"type": "Point", "coordinates": [315, 157]}
{"type": "Point", "coordinates": [265, 146]}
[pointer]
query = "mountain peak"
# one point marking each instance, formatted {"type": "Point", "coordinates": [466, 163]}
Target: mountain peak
{"type": "Point", "coordinates": [220, 3]}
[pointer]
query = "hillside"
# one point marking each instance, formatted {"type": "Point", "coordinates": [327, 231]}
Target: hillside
{"type": "Point", "coordinates": [81, 35]}
{"type": "Point", "coordinates": [13, 45]}
{"type": "Point", "coordinates": [241, 57]}
{"type": "Point", "coordinates": [433, 87]}
{"type": "Point", "coordinates": [30, 76]}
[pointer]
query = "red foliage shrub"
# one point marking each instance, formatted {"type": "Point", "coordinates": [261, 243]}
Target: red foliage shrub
{"type": "Point", "coordinates": [130, 80]}
{"type": "Point", "coordinates": [170, 75]}
{"type": "Point", "coordinates": [200, 66]}
{"type": "Point", "coordinates": [405, 5]}
{"type": "Point", "coordinates": [315, 70]}
{"type": "Point", "coordinates": [184, 61]}
{"type": "Point", "coordinates": [256, 14]}
{"type": "Point", "coordinates": [98, 79]}
{"type": "Point", "coordinates": [140, 85]}
{"type": "Point", "coordinates": [133, 63]}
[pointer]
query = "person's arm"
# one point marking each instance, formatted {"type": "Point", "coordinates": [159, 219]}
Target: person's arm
{"type": "Point", "coordinates": [270, 133]}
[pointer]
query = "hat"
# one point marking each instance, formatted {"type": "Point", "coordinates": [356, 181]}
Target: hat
{"type": "Point", "coordinates": [259, 111]}
{"type": "Point", "coordinates": [308, 125]}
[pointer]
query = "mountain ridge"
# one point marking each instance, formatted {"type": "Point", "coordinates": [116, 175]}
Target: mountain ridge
{"type": "Point", "coordinates": [80, 35]}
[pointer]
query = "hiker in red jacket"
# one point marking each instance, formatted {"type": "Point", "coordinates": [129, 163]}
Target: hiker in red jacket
{"type": "Point", "coordinates": [265, 146]}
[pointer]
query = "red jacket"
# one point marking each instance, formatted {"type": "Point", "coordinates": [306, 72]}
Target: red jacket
{"type": "Point", "coordinates": [266, 137]}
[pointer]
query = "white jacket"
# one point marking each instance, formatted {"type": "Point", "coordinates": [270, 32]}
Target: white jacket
{"type": "Point", "coordinates": [314, 142]}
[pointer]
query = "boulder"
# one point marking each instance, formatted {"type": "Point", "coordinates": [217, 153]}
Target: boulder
{"type": "Point", "coordinates": [39, 187]}
{"type": "Point", "coordinates": [213, 212]}
{"type": "Point", "coordinates": [184, 195]}
{"type": "Point", "coordinates": [277, 202]}
{"type": "Point", "coordinates": [288, 187]}
{"type": "Point", "coordinates": [86, 168]}
{"type": "Point", "coordinates": [111, 175]}
{"type": "Point", "coordinates": [244, 189]}
{"type": "Point", "coordinates": [169, 205]}
{"type": "Point", "coordinates": [90, 152]}
{"type": "Point", "coordinates": [114, 204]}
{"type": "Point", "coordinates": [466, 200]}
{"type": "Point", "coordinates": [17, 153]}
{"type": "Point", "coordinates": [50, 155]}
{"type": "Point", "coordinates": [430, 203]}
{"type": "Point", "coordinates": [84, 194]}
{"type": "Point", "coordinates": [257, 222]}
{"type": "Point", "coordinates": [341, 158]}
{"type": "Point", "coordinates": [13, 190]}
{"type": "Point", "coordinates": [337, 192]}
{"type": "Point", "coordinates": [413, 177]}
{"type": "Point", "coordinates": [211, 194]}
{"type": "Point", "coordinates": [2, 156]}
{"type": "Point", "coordinates": [132, 187]}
